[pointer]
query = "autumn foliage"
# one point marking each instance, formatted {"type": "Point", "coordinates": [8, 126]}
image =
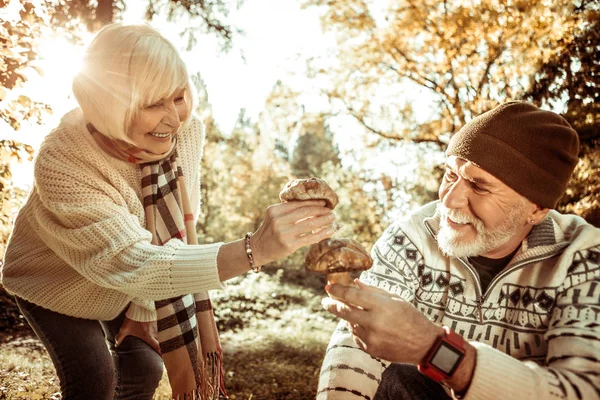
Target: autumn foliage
{"type": "Point", "coordinates": [403, 77]}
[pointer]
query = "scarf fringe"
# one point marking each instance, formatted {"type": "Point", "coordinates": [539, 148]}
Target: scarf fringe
{"type": "Point", "coordinates": [212, 384]}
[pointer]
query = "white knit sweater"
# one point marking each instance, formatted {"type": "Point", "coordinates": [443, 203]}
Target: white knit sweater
{"type": "Point", "coordinates": [79, 245]}
{"type": "Point", "coordinates": [536, 327]}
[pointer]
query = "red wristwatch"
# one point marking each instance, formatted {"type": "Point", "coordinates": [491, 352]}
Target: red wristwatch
{"type": "Point", "coordinates": [444, 357]}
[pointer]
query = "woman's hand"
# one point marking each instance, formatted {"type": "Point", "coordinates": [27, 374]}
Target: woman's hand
{"type": "Point", "coordinates": [146, 331]}
{"type": "Point", "coordinates": [290, 226]}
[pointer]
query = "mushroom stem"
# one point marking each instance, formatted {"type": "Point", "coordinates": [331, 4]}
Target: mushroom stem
{"type": "Point", "coordinates": [340, 278]}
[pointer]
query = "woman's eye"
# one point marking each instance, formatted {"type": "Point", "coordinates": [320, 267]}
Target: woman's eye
{"type": "Point", "coordinates": [179, 99]}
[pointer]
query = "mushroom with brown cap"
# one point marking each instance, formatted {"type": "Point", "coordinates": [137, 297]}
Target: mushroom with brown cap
{"type": "Point", "coordinates": [337, 258]}
{"type": "Point", "coordinates": [309, 189]}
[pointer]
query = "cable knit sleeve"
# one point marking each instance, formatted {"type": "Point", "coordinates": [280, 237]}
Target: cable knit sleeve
{"type": "Point", "coordinates": [141, 310]}
{"type": "Point", "coordinates": [84, 218]}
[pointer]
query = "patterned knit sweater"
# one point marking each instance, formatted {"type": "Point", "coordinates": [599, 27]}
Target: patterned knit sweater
{"type": "Point", "coordinates": [536, 328]}
{"type": "Point", "coordinates": [79, 246]}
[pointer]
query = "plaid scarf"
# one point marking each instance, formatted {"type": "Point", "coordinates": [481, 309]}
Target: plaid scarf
{"type": "Point", "coordinates": [187, 332]}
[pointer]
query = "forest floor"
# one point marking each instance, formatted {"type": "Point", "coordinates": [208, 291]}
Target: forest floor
{"type": "Point", "coordinates": [273, 332]}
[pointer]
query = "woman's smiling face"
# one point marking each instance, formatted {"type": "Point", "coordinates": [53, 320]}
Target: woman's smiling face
{"type": "Point", "coordinates": [156, 125]}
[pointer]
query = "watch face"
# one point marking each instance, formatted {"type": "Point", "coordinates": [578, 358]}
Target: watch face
{"type": "Point", "coordinates": [446, 358]}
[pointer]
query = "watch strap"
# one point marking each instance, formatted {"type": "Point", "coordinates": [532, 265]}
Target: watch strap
{"type": "Point", "coordinates": [452, 339]}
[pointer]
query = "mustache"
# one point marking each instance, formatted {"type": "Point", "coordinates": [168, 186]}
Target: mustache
{"type": "Point", "coordinates": [458, 216]}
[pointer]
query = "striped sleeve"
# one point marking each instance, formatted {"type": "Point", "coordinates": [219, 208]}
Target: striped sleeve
{"type": "Point", "coordinates": [347, 371]}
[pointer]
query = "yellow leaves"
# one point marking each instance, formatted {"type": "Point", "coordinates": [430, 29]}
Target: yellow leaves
{"type": "Point", "coordinates": [24, 101]}
{"type": "Point", "coordinates": [23, 108]}
{"type": "Point", "coordinates": [347, 18]}
{"type": "Point", "coordinates": [469, 55]}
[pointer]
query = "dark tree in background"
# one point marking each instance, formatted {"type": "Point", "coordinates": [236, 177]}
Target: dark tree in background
{"type": "Point", "coordinates": [574, 74]}
{"type": "Point", "coordinates": [467, 58]}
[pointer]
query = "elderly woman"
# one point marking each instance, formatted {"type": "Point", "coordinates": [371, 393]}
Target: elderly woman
{"type": "Point", "coordinates": [103, 260]}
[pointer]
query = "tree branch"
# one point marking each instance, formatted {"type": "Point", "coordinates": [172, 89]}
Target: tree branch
{"type": "Point", "coordinates": [385, 135]}
{"type": "Point", "coordinates": [490, 63]}
{"type": "Point", "coordinates": [445, 99]}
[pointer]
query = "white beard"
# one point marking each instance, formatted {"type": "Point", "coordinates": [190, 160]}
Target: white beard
{"type": "Point", "coordinates": [452, 244]}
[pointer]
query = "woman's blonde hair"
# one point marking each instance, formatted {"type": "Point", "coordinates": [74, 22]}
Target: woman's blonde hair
{"type": "Point", "coordinates": [127, 68]}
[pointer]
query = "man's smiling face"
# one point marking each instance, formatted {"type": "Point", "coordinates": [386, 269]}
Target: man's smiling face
{"type": "Point", "coordinates": [480, 215]}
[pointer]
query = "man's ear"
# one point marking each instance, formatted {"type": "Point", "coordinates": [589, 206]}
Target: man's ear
{"type": "Point", "coordinates": [537, 215]}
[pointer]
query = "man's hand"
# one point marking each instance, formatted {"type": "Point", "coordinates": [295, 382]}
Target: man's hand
{"type": "Point", "coordinates": [382, 324]}
{"type": "Point", "coordinates": [146, 331]}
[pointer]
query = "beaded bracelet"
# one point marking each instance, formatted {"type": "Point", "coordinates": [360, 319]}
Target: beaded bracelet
{"type": "Point", "coordinates": [253, 266]}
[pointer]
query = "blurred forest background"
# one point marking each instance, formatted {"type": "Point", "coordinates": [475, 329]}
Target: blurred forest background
{"type": "Point", "coordinates": [372, 116]}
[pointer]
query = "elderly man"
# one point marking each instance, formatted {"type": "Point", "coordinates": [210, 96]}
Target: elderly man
{"type": "Point", "coordinates": [487, 293]}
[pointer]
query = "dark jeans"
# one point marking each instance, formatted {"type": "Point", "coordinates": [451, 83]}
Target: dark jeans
{"type": "Point", "coordinates": [405, 382]}
{"type": "Point", "coordinates": [88, 364]}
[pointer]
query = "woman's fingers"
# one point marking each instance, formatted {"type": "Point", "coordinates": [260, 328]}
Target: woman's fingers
{"type": "Point", "coordinates": [314, 224]}
{"type": "Point", "coordinates": [290, 226]}
{"type": "Point", "coordinates": [300, 214]}
{"type": "Point", "coordinates": [316, 236]}
{"type": "Point", "coordinates": [155, 345]}
{"type": "Point", "coordinates": [145, 331]}
{"type": "Point", "coordinates": [301, 219]}
{"type": "Point", "coordinates": [291, 206]}
{"type": "Point", "coordinates": [119, 337]}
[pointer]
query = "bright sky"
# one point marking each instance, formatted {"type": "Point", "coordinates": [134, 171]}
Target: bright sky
{"type": "Point", "coordinates": [278, 37]}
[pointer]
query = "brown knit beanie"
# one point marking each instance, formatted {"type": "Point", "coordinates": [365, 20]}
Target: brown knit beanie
{"type": "Point", "coordinates": [531, 150]}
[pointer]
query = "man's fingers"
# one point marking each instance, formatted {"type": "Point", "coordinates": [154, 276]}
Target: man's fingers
{"type": "Point", "coordinates": [358, 331]}
{"type": "Point", "coordinates": [372, 289]}
{"type": "Point", "coordinates": [351, 314]}
{"type": "Point", "coordinates": [359, 342]}
{"type": "Point", "coordinates": [353, 295]}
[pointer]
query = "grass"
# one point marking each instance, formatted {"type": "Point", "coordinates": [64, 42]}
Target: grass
{"type": "Point", "coordinates": [273, 333]}
{"type": "Point", "coordinates": [26, 371]}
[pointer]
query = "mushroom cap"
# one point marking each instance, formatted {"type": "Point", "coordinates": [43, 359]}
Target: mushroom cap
{"type": "Point", "coordinates": [337, 255]}
{"type": "Point", "coordinates": [309, 189]}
